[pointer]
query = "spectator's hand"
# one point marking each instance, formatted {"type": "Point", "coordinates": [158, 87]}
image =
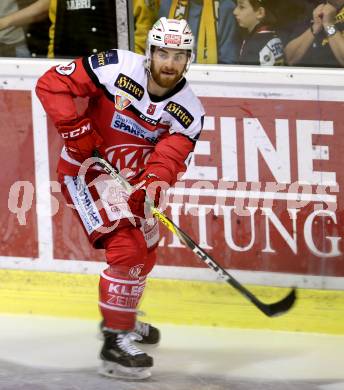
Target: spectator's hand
{"type": "Point", "coordinates": [329, 13]}
{"type": "Point", "coordinates": [3, 23]}
{"type": "Point", "coordinates": [318, 18]}
{"type": "Point", "coordinates": [80, 139]}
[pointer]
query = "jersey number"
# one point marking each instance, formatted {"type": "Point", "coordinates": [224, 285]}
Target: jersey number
{"type": "Point", "coordinates": [151, 109]}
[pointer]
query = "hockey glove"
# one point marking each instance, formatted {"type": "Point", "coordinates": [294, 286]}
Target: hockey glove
{"type": "Point", "coordinates": [80, 139]}
{"type": "Point", "coordinates": [150, 186]}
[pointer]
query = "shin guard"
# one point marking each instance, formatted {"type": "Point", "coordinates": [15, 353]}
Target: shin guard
{"type": "Point", "coordinates": [119, 295]}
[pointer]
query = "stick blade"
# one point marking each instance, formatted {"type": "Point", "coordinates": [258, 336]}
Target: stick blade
{"type": "Point", "coordinates": [280, 307]}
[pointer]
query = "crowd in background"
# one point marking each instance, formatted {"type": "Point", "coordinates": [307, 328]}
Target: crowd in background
{"type": "Point", "coordinates": [244, 32]}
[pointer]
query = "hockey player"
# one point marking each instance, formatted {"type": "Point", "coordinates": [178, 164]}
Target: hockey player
{"type": "Point", "coordinates": [143, 117]}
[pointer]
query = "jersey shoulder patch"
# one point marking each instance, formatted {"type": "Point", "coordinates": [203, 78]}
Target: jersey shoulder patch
{"type": "Point", "coordinates": [184, 111]}
{"type": "Point", "coordinates": [66, 70]}
{"type": "Point", "coordinates": [104, 58]}
{"type": "Point", "coordinates": [179, 113]}
{"type": "Point", "coordinates": [117, 70]}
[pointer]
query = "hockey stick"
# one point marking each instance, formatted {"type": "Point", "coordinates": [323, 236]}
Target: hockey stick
{"type": "Point", "coordinates": [269, 309]}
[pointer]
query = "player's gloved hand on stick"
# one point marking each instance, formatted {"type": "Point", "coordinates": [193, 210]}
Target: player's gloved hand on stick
{"type": "Point", "coordinates": [148, 185]}
{"type": "Point", "coordinates": [80, 138]}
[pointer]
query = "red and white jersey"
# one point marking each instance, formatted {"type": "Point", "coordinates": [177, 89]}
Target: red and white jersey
{"type": "Point", "coordinates": [140, 131]}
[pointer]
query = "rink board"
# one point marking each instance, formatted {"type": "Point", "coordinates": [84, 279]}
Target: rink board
{"type": "Point", "coordinates": [171, 302]}
{"type": "Point", "coordinates": [262, 194]}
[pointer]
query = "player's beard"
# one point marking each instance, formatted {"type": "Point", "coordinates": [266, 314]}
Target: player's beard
{"type": "Point", "coordinates": [165, 81]}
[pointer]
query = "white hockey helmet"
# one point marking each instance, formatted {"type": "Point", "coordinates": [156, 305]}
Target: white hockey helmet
{"type": "Point", "coordinates": [172, 34]}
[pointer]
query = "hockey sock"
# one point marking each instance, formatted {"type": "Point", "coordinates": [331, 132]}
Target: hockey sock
{"type": "Point", "coordinates": [119, 296]}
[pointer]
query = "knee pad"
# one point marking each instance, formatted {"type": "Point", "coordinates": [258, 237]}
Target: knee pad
{"type": "Point", "coordinates": [150, 262]}
{"type": "Point", "coordinates": [126, 247]}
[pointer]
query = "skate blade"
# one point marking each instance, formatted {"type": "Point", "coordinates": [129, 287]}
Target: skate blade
{"type": "Point", "coordinates": [114, 370]}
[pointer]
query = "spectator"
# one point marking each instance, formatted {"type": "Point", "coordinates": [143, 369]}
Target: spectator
{"type": "Point", "coordinates": [12, 36]}
{"type": "Point", "coordinates": [33, 17]}
{"type": "Point", "coordinates": [77, 29]}
{"type": "Point", "coordinates": [96, 21]}
{"type": "Point", "coordinates": [261, 46]}
{"type": "Point", "coordinates": [145, 14]}
{"type": "Point", "coordinates": [319, 42]}
{"type": "Point", "coordinates": [81, 28]}
{"type": "Point", "coordinates": [213, 24]}
{"type": "Point", "coordinates": [37, 28]}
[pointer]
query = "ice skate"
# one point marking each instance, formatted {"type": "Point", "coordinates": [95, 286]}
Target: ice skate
{"type": "Point", "coordinates": [122, 359]}
{"type": "Point", "coordinates": [149, 333]}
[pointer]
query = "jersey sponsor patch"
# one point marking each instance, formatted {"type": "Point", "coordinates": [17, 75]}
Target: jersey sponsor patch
{"type": "Point", "coordinates": [150, 230]}
{"type": "Point", "coordinates": [179, 113]}
{"type": "Point", "coordinates": [84, 203]}
{"type": "Point", "coordinates": [104, 58]}
{"type": "Point", "coordinates": [66, 70]}
{"type": "Point", "coordinates": [113, 199]}
{"type": "Point", "coordinates": [173, 39]}
{"type": "Point", "coordinates": [130, 157]}
{"type": "Point", "coordinates": [122, 101]}
{"type": "Point", "coordinates": [128, 125]}
{"type": "Point", "coordinates": [126, 84]}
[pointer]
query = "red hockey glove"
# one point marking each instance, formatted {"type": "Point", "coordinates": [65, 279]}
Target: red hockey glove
{"type": "Point", "coordinates": [80, 139]}
{"type": "Point", "coordinates": [149, 185]}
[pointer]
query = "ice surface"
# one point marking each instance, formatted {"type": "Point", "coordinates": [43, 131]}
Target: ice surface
{"type": "Point", "coordinates": [42, 353]}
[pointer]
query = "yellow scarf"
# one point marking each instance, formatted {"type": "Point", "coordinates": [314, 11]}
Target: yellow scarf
{"type": "Point", "coordinates": [207, 34]}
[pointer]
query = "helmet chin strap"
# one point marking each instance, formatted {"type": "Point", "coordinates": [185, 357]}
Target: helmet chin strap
{"type": "Point", "coordinates": [147, 64]}
{"type": "Point", "coordinates": [190, 61]}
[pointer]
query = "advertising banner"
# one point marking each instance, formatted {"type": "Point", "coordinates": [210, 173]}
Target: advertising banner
{"type": "Point", "coordinates": [262, 193]}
